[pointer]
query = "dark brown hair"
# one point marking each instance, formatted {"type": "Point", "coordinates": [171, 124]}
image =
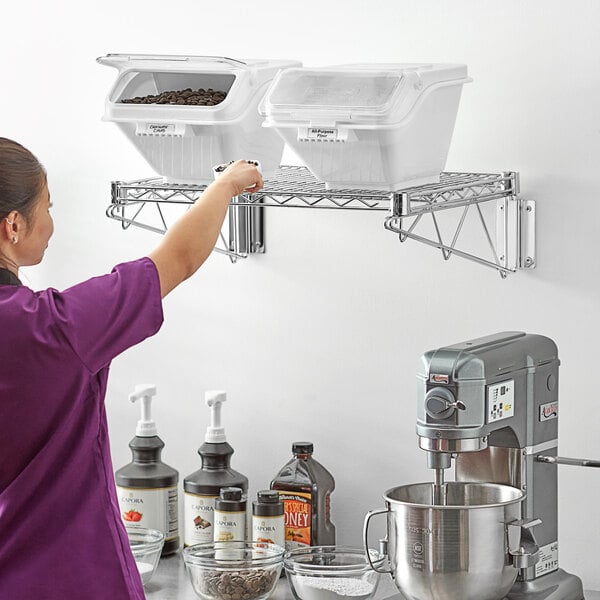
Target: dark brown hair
{"type": "Point", "coordinates": [22, 176]}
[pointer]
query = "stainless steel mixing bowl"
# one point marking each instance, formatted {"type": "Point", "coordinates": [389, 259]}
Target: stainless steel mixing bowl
{"type": "Point", "coordinates": [458, 550]}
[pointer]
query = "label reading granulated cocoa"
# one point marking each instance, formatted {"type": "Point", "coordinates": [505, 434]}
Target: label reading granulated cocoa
{"type": "Point", "coordinates": [297, 508]}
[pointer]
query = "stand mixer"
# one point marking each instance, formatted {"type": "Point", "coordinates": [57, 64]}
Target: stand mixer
{"type": "Point", "coordinates": [492, 404]}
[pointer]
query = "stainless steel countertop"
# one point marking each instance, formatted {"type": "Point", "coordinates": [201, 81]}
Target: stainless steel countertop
{"type": "Point", "coordinates": [171, 582]}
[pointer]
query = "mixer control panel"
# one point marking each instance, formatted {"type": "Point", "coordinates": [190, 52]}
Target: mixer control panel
{"type": "Point", "coordinates": [500, 401]}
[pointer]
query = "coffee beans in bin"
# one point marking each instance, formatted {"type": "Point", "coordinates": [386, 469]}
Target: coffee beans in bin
{"type": "Point", "coordinates": [200, 97]}
{"type": "Point", "coordinates": [208, 104]}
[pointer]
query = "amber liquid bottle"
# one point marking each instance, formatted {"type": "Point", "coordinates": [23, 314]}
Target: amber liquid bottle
{"type": "Point", "coordinates": [305, 487]}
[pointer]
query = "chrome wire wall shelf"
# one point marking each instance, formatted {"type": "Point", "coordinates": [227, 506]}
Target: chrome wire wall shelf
{"type": "Point", "coordinates": [508, 234]}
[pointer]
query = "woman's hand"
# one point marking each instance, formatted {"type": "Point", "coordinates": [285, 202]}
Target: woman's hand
{"type": "Point", "coordinates": [241, 176]}
{"type": "Point", "coordinates": [191, 239]}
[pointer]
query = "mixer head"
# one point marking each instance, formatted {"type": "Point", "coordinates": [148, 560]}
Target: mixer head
{"type": "Point", "coordinates": [479, 390]}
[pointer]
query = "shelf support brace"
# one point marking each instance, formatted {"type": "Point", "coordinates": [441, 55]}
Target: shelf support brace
{"type": "Point", "coordinates": [515, 228]}
{"type": "Point", "coordinates": [246, 227]}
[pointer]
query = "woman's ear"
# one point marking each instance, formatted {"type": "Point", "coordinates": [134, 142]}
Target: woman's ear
{"type": "Point", "coordinates": [12, 224]}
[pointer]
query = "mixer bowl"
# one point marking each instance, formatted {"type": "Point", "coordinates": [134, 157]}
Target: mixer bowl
{"type": "Point", "coordinates": [458, 550]}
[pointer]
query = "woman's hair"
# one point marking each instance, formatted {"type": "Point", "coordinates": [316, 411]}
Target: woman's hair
{"type": "Point", "coordinates": [21, 178]}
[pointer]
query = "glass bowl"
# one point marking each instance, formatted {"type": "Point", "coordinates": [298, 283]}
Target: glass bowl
{"type": "Point", "coordinates": [234, 570]}
{"type": "Point", "coordinates": [146, 546]}
{"type": "Point", "coordinates": [332, 573]}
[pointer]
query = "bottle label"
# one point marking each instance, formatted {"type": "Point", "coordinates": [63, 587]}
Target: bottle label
{"type": "Point", "coordinates": [198, 518]}
{"type": "Point", "coordinates": [229, 526]}
{"type": "Point", "coordinates": [270, 530]}
{"type": "Point", "coordinates": [297, 508]}
{"type": "Point", "coordinates": [154, 508]}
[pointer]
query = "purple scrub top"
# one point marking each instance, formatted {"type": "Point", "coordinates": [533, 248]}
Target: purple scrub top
{"type": "Point", "coordinates": [61, 535]}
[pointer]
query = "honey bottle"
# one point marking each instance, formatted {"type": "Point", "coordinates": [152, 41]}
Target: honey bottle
{"type": "Point", "coordinates": [305, 487]}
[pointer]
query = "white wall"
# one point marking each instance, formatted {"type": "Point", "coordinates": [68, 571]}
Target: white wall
{"type": "Point", "coordinates": [320, 338]}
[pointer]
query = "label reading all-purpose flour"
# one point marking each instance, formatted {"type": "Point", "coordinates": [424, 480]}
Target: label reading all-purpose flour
{"type": "Point", "coordinates": [199, 516]}
{"type": "Point", "coordinates": [548, 559]}
{"type": "Point", "coordinates": [154, 508]}
{"type": "Point", "coordinates": [321, 134]}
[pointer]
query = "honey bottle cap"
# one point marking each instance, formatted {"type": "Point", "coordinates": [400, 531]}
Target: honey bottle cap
{"type": "Point", "coordinates": [302, 447]}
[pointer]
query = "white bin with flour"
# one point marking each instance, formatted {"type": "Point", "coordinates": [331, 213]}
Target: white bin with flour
{"type": "Point", "coordinates": [379, 126]}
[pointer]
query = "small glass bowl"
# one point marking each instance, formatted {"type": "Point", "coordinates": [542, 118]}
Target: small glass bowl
{"type": "Point", "coordinates": [233, 570]}
{"type": "Point", "coordinates": [332, 573]}
{"type": "Point", "coordinates": [146, 546]}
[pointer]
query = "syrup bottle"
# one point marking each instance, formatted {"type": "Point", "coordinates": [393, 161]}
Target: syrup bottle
{"type": "Point", "coordinates": [202, 488]}
{"type": "Point", "coordinates": [147, 487]}
{"type": "Point", "coordinates": [305, 487]}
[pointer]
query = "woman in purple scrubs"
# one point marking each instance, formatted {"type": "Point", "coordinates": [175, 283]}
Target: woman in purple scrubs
{"type": "Point", "coordinates": [61, 536]}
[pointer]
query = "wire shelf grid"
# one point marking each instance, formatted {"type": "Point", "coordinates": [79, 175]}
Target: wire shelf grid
{"type": "Point", "coordinates": [296, 187]}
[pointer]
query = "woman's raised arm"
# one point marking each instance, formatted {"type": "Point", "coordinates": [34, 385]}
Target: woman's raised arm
{"type": "Point", "coordinates": [189, 242]}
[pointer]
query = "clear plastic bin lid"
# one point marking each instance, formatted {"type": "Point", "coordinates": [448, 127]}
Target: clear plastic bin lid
{"type": "Point", "coordinates": [371, 93]}
{"type": "Point", "coordinates": [151, 61]}
{"type": "Point", "coordinates": [357, 91]}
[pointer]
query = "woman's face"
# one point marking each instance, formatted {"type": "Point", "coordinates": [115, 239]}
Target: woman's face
{"type": "Point", "coordinates": [34, 242]}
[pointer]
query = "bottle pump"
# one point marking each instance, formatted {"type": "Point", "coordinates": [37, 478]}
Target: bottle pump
{"type": "Point", "coordinates": [202, 488]}
{"type": "Point", "coordinates": [147, 487]}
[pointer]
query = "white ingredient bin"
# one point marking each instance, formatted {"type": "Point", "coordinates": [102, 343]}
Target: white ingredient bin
{"type": "Point", "coordinates": [368, 126]}
{"type": "Point", "coordinates": [182, 142]}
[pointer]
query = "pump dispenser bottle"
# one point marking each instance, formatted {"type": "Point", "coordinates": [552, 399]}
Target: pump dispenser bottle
{"type": "Point", "coordinates": [203, 487]}
{"type": "Point", "coordinates": [147, 487]}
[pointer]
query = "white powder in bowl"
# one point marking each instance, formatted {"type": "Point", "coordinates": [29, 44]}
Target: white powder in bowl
{"type": "Point", "coordinates": [333, 588]}
{"type": "Point", "coordinates": [145, 570]}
